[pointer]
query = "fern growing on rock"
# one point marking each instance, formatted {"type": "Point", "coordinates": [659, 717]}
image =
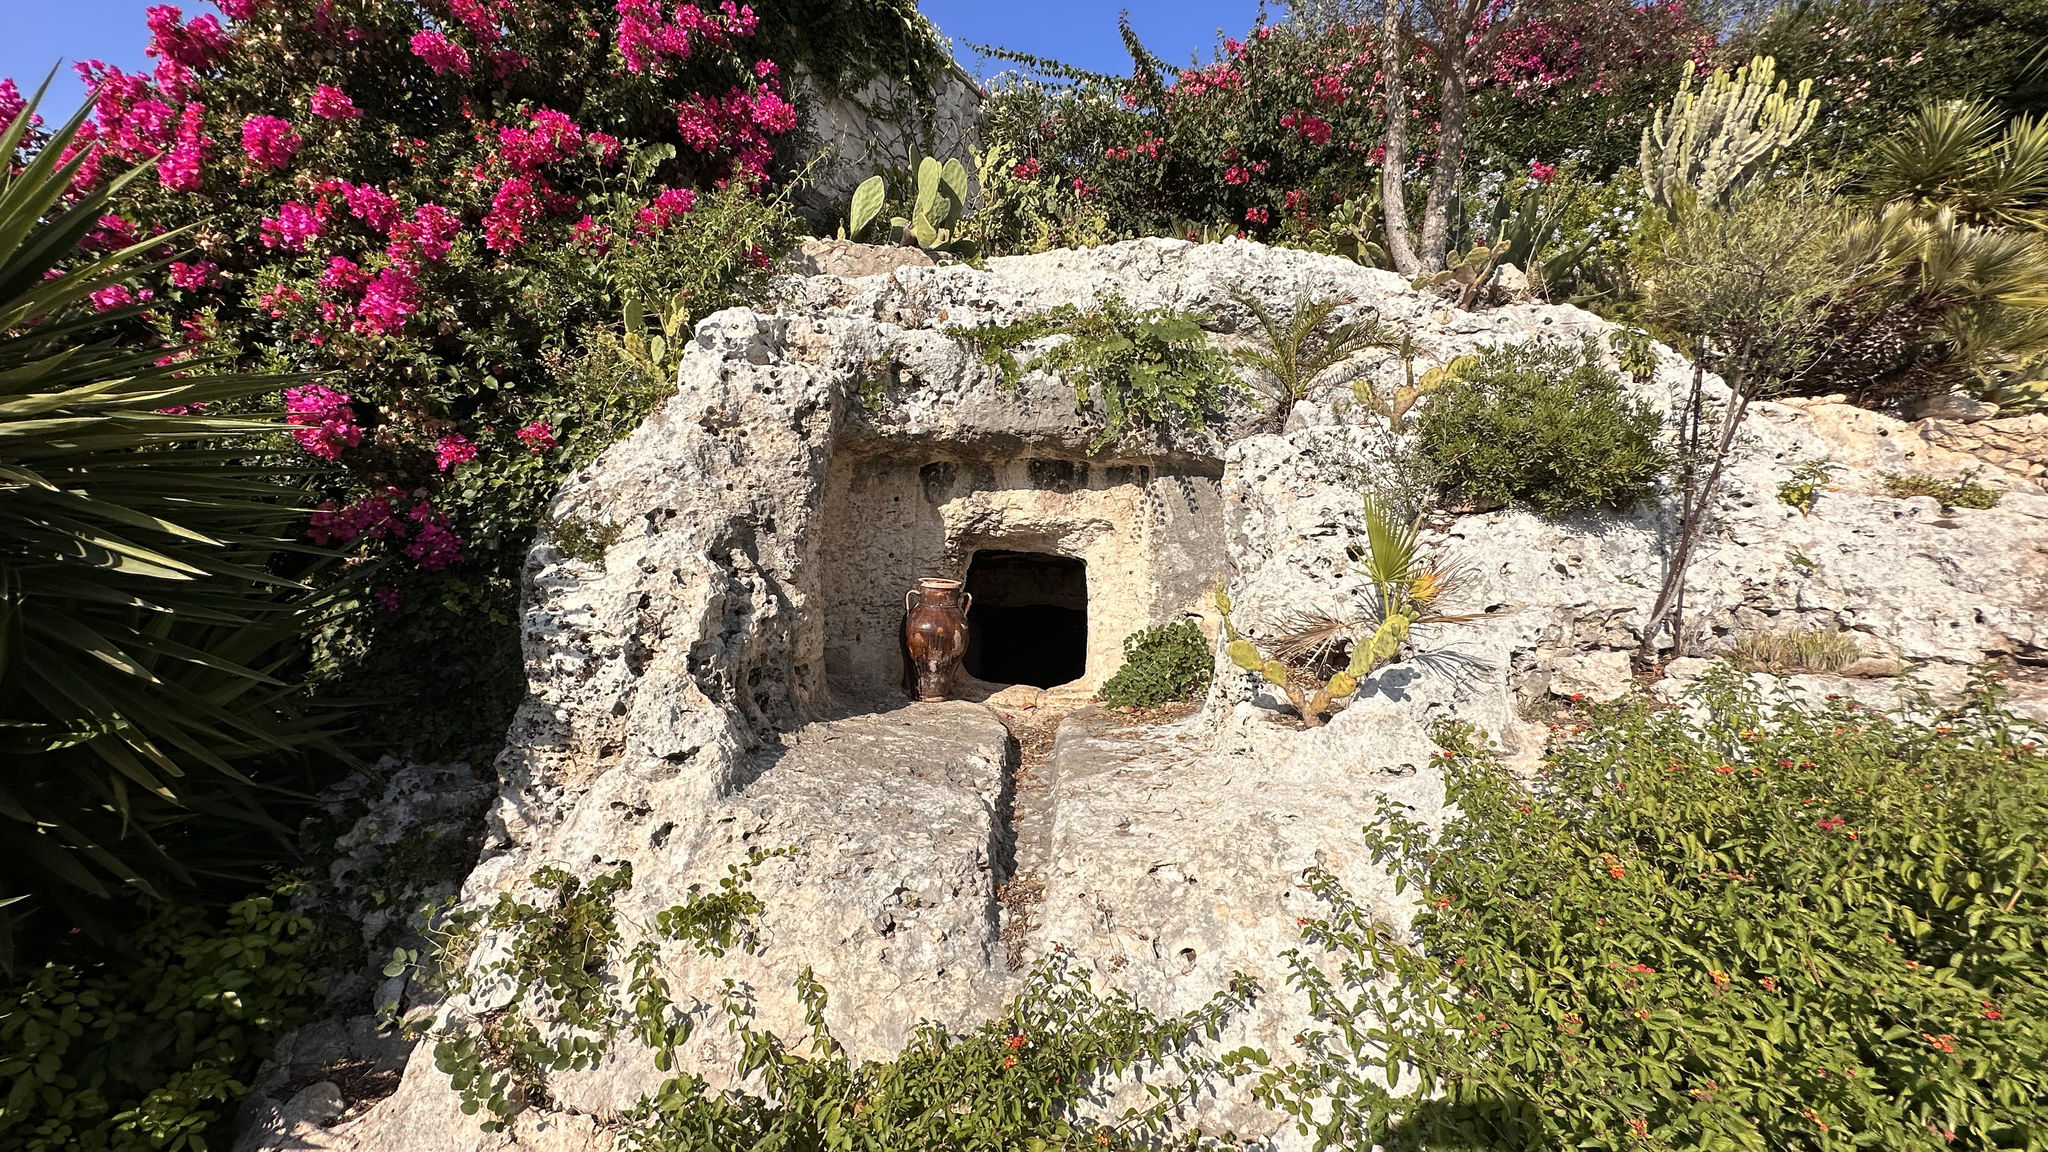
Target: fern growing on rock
{"type": "Point", "coordinates": [1150, 368]}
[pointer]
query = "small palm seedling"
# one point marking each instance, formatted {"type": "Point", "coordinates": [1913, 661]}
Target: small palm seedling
{"type": "Point", "coordinates": [1311, 342]}
{"type": "Point", "coordinates": [1318, 659]}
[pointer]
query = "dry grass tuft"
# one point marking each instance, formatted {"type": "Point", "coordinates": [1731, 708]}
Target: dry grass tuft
{"type": "Point", "coordinates": [1798, 650]}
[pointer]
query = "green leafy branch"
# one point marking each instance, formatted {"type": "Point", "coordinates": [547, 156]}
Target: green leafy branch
{"type": "Point", "coordinates": [1148, 369]}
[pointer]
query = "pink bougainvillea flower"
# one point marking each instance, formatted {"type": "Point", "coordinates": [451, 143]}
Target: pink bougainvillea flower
{"type": "Point", "coordinates": [389, 600]}
{"type": "Point", "coordinates": [771, 113]}
{"type": "Point", "coordinates": [109, 233]}
{"type": "Point", "coordinates": [433, 229]}
{"type": "Point", "coordinates": [441, 53]}
{"type": "Point", "coordinates": [111, 297]}
{"type": "Point", "coordinates": [13, 105]}
{"type": "Point", "coordinates": [269, 142]}
{"type": "Point", "coordinates": [608, 147]}
{"type": "Point", "coordinates": [192, 275]}
{"type": "Point", "coordinates": [237, 9]}
{"type": "Point", "coordinates": [387, 301]}
{"type": "Point", "coordinates": [480, 18]}
{"type": "Point", "coordinates": [371, 518]}
{"type": "Point", "coordinates": [1311, 128]}
{"type": "Point", "coordinates": [513, 207]}
{"type": "Point", "coordinates": [538, 436]}
{"type": "Point", "coordinates": [1028, 169]}
{"type": "Point", "coordinates": [663, 210]}
{"type": "Point", "coordinates": [1542, 173]}
{"type": "Point", "coordinates": [648, 40]}
{"type": "Point", "coordinates": [277, 300]}
{"type": "Point", "coordinates": [452, 450]}
{"type": "Point", "coordinates": [323, 420]}
{"type": "Point", "coordinates": [698, 124]}
{"type": "Point", "coordinates": [435, 545]}
{"type": "Point", "coordinates": [368, 203]}
{"type": "Point", "coordinates": [343, 275]}
{"type": "Point", "coordinates": [331, 103]}
{"type": "Point", "coordinates": [295, 226]}
{"type": "Point", "coordinates": [200, 44]}
{"type": "Point", "coordinates": [181, 168]}
{"type": "Point", "coordinates": [552, 139]}
{"type": "Point", "coordinates": [1257, 215]}
{"type": "Point", "coordinates": [592, 236]}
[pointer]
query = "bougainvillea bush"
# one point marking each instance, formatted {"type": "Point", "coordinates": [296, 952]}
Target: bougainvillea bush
{"type": "Point", "coordinates": [1737, 923]}
{"type": "Point", "coordinates": [433, 204]}
{"type": "Point", "coordinates": [1283, 126]}
{"type": "Point", "coordinates": [1282, 121]}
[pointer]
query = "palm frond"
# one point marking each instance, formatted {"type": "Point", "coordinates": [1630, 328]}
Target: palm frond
{"type": "Point", "coordinates": [144, 613]}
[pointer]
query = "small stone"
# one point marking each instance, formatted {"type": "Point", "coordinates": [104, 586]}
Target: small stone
{"type": "Point", "coordinates": [1595, 676]}
{"type": "Point", "coordinates": [1872, 668]}
{"type": "Point", "coordinates": [316, 1104]}
{"type": "Point", "coordinates": [846, 259]}
{"type": "Point", "coordinates": [1954, 406]}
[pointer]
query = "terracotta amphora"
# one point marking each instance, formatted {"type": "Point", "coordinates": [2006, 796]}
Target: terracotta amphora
{"type": "Point", "coordinates": [935, 633]}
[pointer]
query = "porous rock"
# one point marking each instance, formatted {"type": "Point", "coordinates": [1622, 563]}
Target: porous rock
{"type": "Point", "coordinates": [721, 679]}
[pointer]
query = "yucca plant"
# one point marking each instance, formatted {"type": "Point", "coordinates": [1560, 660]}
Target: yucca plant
{"type": "Point", "coordinates": [141, 611]}
{"type": "Point", "coordinates": [1962, 156]}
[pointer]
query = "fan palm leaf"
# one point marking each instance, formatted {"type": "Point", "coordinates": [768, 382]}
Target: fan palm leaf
{"type": "Point", "coordinates": [144, 615]}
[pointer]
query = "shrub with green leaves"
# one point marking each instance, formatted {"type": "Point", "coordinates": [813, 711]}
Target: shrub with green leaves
{"type": "Point", "coordinates": [151, 1049]}
{"type": "Point", "coordinates": [1953, 492]}
{"type": "Point", "coordinates": [1146, 368]}
{"type": "Point", "coordinates": [1170, 662]}
{"type": "Point", "coordinates": [1737, 924]}
{"type": "Point", "coordinates": [1545, 424]}
{"type": "Point", "coordinates": [147, 598]}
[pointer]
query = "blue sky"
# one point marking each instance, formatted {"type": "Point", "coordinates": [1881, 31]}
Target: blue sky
{"type": "Point", "coordinates": [1080, 32]}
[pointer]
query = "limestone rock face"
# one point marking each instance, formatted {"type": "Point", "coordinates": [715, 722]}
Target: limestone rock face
{"type": "Point", "coordinates": [725, 679]}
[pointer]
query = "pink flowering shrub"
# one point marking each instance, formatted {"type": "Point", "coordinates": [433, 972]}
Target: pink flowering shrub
{"type": "Point", "coordinates": [437, 209]}
{"type": "Point", "coordinates": [331, 103]}
{"type": "Point", "coordinates": [1279, 127]}
{"type": "Point", "coordinates": [322, 420]}
{"type": "Point", "coordinates": [453, 450]}
{"type": "Point", "coordinates": [269, 141]}
{"type": "Point", "coordinates": [538, 436]}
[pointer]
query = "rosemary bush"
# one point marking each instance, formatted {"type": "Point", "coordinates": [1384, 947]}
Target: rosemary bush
{"type": "Point", "coordinates": [1543, 423]}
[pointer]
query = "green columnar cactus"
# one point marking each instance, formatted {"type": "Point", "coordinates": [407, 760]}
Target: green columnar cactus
{"type": "Point", "coordinates": [1710, 142]}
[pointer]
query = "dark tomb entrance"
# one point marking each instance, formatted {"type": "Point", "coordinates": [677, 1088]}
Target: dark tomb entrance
{"type": "Point", "coordinates": [1029, 620]}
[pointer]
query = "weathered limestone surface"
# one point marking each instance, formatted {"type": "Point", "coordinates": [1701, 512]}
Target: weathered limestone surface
{"type": "Point", "coordinates": [677, 688]}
